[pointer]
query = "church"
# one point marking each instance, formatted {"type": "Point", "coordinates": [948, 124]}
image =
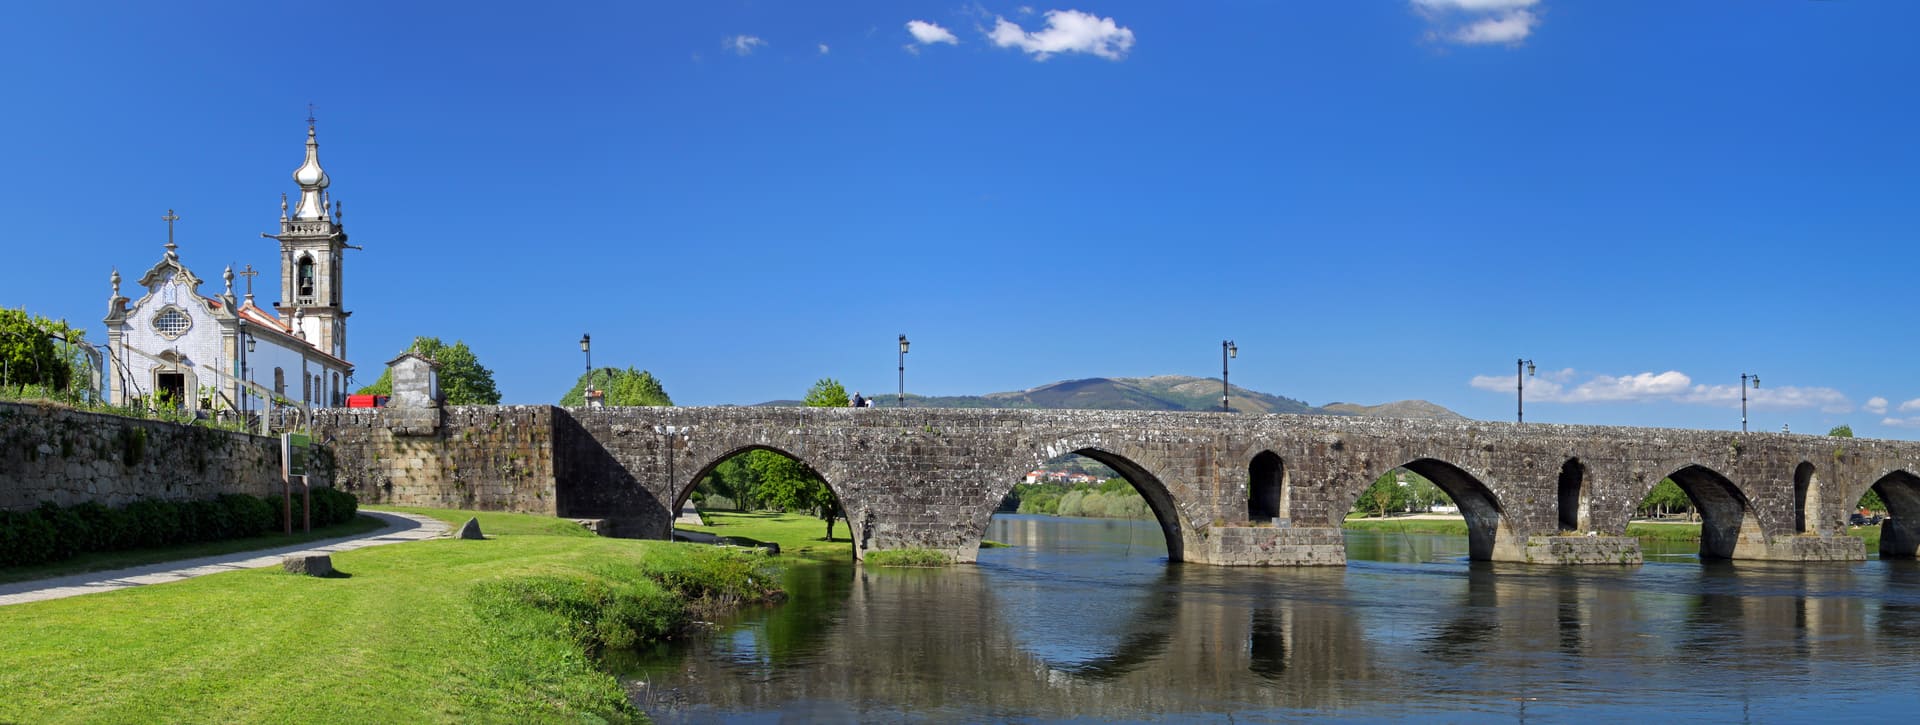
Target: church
{"type": "Point", "coordinates": [177, 347]}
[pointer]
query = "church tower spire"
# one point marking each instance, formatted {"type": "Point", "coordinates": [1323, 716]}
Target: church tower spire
{"type": "Point", "coordinates": [312, 179]}
{"type": "Point", "coordinates": [312, 246]}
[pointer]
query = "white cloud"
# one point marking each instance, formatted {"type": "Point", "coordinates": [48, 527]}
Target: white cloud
{"type": "Point", "coordinates": [1901, 422]}
{"type": "Point", "coordinates": [824, 49]}
{"type": "Point", "coordinates": [1512, 27]}
{"type": "Point", "coordinates": [1026, 9]}
{"type": "Point", "coordinates": [1875, 405]}
{"type": "Point", "coordinates": [926, 33]}
{"type": "Point", "coordinates": [1475, 6]}
{"type": "Point", "coordinates": [1480, 22]}
{"type": "Point", "coordinates": [1910, 406]}
{"type": "Point", "coordinates": [1067, 31]}
{"type": "Point", "coordinates": [742, 44]}
{"type": "Point", "coordinates": [1671, 386]}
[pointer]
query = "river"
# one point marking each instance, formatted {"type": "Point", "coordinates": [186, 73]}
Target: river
{"type": "Point", "coordinates": [1084, 619]}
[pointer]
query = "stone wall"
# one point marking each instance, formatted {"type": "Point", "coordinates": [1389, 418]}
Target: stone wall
{"type": "Point", "coordinates": [70, 457]}
{"type": "Point", "coordinates": [473, 457]}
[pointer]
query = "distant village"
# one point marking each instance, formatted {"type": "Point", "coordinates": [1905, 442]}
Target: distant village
{"type": "Point", "coordinates": [1069, 477]}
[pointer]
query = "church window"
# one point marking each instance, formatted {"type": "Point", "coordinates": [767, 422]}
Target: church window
{"type": "Point", "coordinates": [171, 323]}
{"type": "Point", "coordinates": [306, 280]}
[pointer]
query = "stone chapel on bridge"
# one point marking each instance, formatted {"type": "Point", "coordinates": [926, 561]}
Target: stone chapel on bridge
{"type": "Point", "coordinates": [176, 346]}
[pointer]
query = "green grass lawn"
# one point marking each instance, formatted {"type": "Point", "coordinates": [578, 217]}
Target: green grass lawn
{"type": "Point", "coordinates": [799, 535]}
{"type": "Point", "coordinates": [109, 560]}
{"type": "Point", "coordinates": [500, 630]}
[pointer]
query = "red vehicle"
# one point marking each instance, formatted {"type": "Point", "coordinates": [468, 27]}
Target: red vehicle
{"type": "Point", "coordinates": [366, 401]}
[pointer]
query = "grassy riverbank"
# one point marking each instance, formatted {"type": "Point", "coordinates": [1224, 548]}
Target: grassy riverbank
{"type": "Point", "coordinates": [439, 631]}
{"type": "Point", "coordinates": [1643, 530]}
{"type": "Point", "coordinates": [799, 535]}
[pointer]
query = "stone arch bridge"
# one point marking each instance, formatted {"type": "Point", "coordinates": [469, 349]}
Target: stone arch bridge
{"type": "Point", "coordinates": [1226, 489]}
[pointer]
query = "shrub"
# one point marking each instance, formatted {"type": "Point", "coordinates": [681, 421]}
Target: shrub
{"type": "Point", "coordinates": [907, 558]}
{"type": "Point", "coordinates": [52, 533]}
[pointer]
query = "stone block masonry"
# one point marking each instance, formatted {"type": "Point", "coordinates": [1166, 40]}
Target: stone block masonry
{"type": "Point", "coordinates": [1225, 489]}
{"type": "Point", "coordinates": [69, 457]}
{"type": "Point", "coordinates": [476, 457]}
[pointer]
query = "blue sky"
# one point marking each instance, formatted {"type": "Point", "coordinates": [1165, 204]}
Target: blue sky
{"type": "Point", "coordinates": [1375, 200]}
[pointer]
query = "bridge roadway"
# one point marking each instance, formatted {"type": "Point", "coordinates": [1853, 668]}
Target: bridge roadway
{"type": "Point", "coordinates": [1226, 488]}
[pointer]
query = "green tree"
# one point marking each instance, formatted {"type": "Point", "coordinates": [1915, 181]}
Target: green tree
{"type": "Point", "coordinates": [620, 387]}
{"type": "Point", "coordinates": [1841, 431]}
{"type": "Point", "coordinates": [1665, 497]}
{"type": "Point", "coordinates": [1383, 495]}
{"type": "Point", "coordinates": [463, 380]}
{"type": "Point", "coordinates": [29, 355]}
{"type": "Point", "coordinates": [827, 393]}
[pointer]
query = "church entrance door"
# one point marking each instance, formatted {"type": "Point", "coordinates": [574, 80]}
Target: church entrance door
{"type": "Point", "coordinates": [173, 388]}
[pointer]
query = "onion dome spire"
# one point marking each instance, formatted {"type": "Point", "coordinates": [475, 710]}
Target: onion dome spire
{"type": "Point", "coordinates": [312, 180]}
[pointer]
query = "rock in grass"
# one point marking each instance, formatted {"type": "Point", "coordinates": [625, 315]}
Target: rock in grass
{"type": "Point", "coordinates": [308, 564]}
{"type": "Point", "coordinates": [470, 529]}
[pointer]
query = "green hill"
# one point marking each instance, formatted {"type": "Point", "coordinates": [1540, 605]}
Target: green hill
{"type": "Point", "coordinates": [1160, 392]}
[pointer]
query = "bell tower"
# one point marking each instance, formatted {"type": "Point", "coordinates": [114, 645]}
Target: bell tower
{"type": "Point", "coordinates": [312, 242]}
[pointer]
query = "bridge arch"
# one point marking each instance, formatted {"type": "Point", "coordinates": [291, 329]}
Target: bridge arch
{"type": "Point", "coordinates": [1572, 499]}
{"type": "Point", "coordinates": [1267, 492]}
{"type": "Point", "coordinates": [1806, 498]}
{"type": "Point", "coordinates": [1899, 489]}
{"type": "Point", "coordinates": [1486, 517]}
{"type": "Point", "coordinates": [1725, 512]}
{"type": "Point", "coordinates": [684, 485]}
{"type": "Point", "coordinates": [1130, 464]}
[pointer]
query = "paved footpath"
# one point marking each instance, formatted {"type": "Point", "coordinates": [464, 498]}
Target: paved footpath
{"type": "Point", "coordinates": [400, 528]}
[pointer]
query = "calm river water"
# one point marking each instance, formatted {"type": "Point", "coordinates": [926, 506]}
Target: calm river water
{"type": "Point", "coordinates": [1084, 619]}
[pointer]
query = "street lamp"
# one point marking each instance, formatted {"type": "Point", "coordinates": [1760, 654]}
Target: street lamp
{"type": "Point", "coordinates": [247, 339]}
{"type": "Point", "coordinates": [1520, 388]}
{"type": "Point", "coordinates": [1744, 377]}
{"type": "Point", "coordinates": [587, 393]}
{"type": "Point", "coordinates": [902, 399]}
{"type": "Point", "coordinates": [1228, 351]}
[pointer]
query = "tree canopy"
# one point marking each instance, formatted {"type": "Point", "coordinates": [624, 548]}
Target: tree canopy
{"type": "Point", "coordinates": [620, 387]}
{"type": "Point", "coordinates": [463, 380]}
{"type": "Point", "coordinates": [30, 356]}
{"type": "Point", "coordinates": [827, 393]}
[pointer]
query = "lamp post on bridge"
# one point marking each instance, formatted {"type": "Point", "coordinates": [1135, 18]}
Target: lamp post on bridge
{"type": "Point", "coordinates": [1228, 351]}
{"type": "Point", "coordinates": [901, 399]}
{"type": "Point", "coordinates": [1520, 388]}
{"type": "Point", "coordinates": [1744, 377]}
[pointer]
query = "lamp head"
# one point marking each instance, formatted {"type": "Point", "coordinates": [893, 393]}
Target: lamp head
{"type": "Point", "coordinates": [903, 344]}
{"type": "Point", "coordinates": [1529, 368]}
{"type": "Point", "coordinates": [586, 342]}
{"type": "Point", "coordinates": [1233, 351]}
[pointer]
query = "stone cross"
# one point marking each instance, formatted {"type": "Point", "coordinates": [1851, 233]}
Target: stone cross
{"type": "Point", "coordinates": [170, 218]}
{"type": "Point", "coordinates": [249, 273]}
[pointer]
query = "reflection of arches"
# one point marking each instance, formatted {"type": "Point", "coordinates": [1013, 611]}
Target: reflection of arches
{"type": "Point", "coordinates": [1573, 495]}
{"type": "Point", "coordinates": [1266, 484]}
{"type": "Point", "coordinates": [1806, 487]}
{"type": "Point", "coordinates": [1477, 503]}
{"type": "Point", "coordinates": [1900, 534]}
{"type": "Point", "coordinates": [1723, 509]}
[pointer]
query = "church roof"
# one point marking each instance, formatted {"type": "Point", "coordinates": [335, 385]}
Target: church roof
{"type": "Point", "coordinates": [249, 312]}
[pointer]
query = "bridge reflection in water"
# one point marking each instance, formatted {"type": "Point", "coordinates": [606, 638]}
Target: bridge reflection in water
{"type": "Point", "coordinates": [1086, 619]}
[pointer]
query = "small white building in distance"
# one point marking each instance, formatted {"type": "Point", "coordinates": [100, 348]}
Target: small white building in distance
{"type": "Point", "coordinates": [177, 347]}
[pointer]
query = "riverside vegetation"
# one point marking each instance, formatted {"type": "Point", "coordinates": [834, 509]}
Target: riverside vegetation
{"type": "Point", "coordinates": [502, 630]}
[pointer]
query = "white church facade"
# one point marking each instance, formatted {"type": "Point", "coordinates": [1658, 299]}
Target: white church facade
{"type": "Point", "coordinates": [177, 347]}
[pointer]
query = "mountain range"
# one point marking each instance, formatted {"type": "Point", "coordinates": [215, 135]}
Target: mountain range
{"type": "Point", "coordinates": [1160, 392]}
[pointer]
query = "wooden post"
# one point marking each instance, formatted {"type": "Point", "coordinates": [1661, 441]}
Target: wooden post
{"type": "Point", "coordinates": [306, 503]}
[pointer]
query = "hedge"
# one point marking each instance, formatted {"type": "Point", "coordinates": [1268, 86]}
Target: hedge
{"type": "Point", "coordinates": [53, 533]}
